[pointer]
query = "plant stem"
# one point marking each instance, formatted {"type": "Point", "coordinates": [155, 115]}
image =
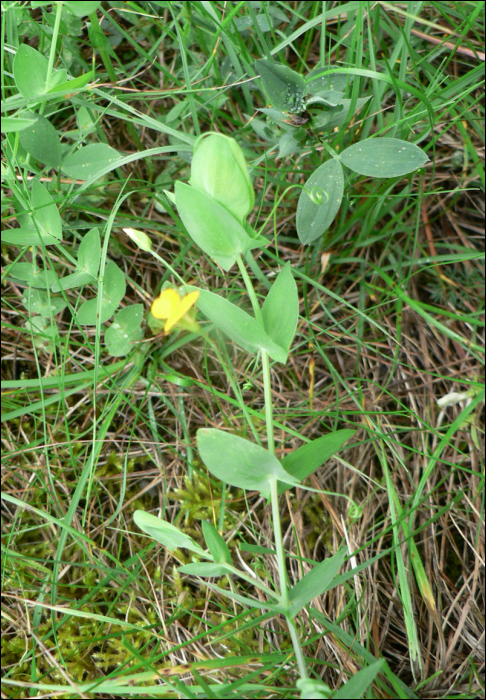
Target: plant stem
{"type": "Point", "coordinates": [277, 530]}
{"type": "Point", "coordinates": [282, 574]}
{"type": "Point", "coordinates": [267, 389]}
{"type": "Point", "coordinates": [234, 386]}
{"type": "Point", "coordinates": [251, 292]}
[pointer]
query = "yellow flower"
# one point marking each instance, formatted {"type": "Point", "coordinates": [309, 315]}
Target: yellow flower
{"type": "Point", "coordinates": [171, 306]}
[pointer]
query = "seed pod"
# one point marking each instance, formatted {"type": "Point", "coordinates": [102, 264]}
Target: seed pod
{"type": "Point", "coordinates": [219, 169]}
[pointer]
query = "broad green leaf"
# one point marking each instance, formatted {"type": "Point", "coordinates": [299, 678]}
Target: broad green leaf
{"type": "Point", "coordinates": [27, 236]}
{"type": "Point", "coordinates": [242, 328]}
{"type": "Point", "coordinates": [41, 140]}
{"type": "Point", "coordinates": [89, 160]}
{"type": "Point", "coordinates": [45, 214]}
{"type": "Point", "coordinates": [44, 331]}
{"type": "Point", "coordinates": [32, 276]}
{"type": "Point", "coordinates": [165, 533]}
{"type": "Point", "coordinates": [82, 8]}
{"type": "Point", "coordinates": [211, 226]}
{"type": "Point", "coordinates": [287, 145]}
{"type": "Point", "coordinates": [39, 302]}
{"type": "Point", "coordinates": [125, 330]}
{"type": "Point", "coordinates": [205, 569]}
{"type": "Point", "coordinates": [11, 124]}
{"type": "Point", "coordinates": [326, 186]}
{"type": "Point", "coordinates": [309, 457]}
{"type": "Point", "coordinates": [336, 118]}
{"type": "Point", "coordinates": [284, 88]}
{"type": "Point", "coordinates": [328, 98]}
{"type": "Point", "coordinates": [358, 684]}
{"type": "Point", "coordinates": [73, 281]}
{"type": "Point", "coordinates": [57, 78]}
{"type": "Point", "coordinates": [280, 310]}
{"type": "Point", "coordinates": [75, 84]}
{"type": "Point", "coordinates": [30, 71]}
{"type": "Point", "coordinates": [240, 462]}
{"type": "Point", "coordinates": [320, 79]}
{"type": "Point", "coordinates": [215, 543]}
{"type": "Point", "coordinates": [383, 157]}
{"type": "Point", "coordinates": [114, 288]}
{"type": "Point", "coordinates": [89, 252]}
{"type": "Point", "coordinates": [315, 582]}
{"type": "Point", "coordinates": [312, 689]}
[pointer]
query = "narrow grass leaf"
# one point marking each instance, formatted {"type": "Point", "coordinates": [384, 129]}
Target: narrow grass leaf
{"type": "Point", "coordinates": [252, 602]}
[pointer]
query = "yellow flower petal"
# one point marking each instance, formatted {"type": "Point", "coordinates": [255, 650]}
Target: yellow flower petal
{"type": "Point", "coordinates": [180, 311]}
{"type": "Point", "coordinates": [165, 304]}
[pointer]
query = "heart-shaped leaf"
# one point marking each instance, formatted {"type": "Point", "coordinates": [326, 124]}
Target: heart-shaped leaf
{"type": "Point", "coordinates": [125, 330]}
{"type": "Point", "coordinates": [114, 288]}
{"type": "Point", "coordinates": [239, 462]}
{"type": "Point", "coordinates": [383, 157]}
{"type": "Point", "coordinates": [316, 213]}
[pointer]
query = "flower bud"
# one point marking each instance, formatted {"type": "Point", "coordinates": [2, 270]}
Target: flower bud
{"type": "Point", "coordinates": [219, 169]}
{"type": "Point", "coordinates": [140, 238]}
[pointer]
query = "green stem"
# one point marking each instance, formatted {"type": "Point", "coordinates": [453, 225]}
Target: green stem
{"type": "Point", "coordinates": [169, 267]}
{"type": "Point", "coordinates": [251, 292]}
{"type": "Point", "coordinates": [282, 574]}
{"type": "Point", "coordinates": [277, 530]}
{"type": "Point", "coordinates": [52, 55]}
{"type": "Point", "coordinates": [234, 386]}
{"type": "Point", "coordinates": [267, 389]}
